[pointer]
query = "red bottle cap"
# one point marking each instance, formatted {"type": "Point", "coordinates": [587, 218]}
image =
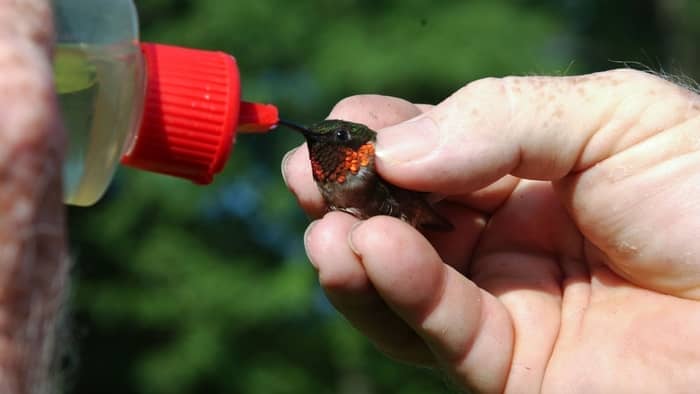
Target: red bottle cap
{"type": "Point", "coordinates": [191, 112]}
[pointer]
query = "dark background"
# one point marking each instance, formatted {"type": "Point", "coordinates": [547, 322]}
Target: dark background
{"type": "Point", "coordinates": [186, 289]}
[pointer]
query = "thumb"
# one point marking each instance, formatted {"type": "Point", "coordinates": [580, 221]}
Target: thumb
{"type": "Point", "coordinates": [530, 127]}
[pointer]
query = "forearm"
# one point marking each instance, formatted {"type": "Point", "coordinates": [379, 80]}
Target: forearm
{"type": "Point", "coordinates": [33, 258]}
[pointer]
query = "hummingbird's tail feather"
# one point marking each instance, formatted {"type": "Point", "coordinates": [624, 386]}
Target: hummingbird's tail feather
{"type": "Point", "coordinates": [429, 219]}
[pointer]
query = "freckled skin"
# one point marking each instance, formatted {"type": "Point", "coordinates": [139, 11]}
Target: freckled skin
{"type": "Point", "coordinates": [342, 163]}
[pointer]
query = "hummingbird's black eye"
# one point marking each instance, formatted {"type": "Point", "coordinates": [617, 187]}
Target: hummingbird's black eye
{"type": "Point", "coordinates": [342, 135]}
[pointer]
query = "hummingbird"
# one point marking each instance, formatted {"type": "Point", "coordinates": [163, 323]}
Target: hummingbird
{"type": "Point", "coordinates": [342, 164]}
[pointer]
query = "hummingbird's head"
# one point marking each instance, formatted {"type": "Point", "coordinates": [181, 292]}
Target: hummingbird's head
{"type": "Point", "coordinates": [335, 132]}
{"type": "Point", "coordinates": [337, 148]}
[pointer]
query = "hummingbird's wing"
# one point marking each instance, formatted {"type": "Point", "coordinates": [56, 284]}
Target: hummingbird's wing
{"type": "Point", "coordinates": [427, 218]}
{"type": "Point", "coordinates": [411, 207]}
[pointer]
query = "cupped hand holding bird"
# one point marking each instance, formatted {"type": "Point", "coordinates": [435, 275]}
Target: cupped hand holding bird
{"type": "Point", "coordinates": [575, 265]}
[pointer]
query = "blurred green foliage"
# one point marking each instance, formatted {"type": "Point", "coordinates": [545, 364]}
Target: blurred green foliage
{"type": "Point", "coordinates": [184, 289]}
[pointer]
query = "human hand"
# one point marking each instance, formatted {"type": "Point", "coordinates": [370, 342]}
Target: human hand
{"type": "Point", "coordinates": [575, 265]}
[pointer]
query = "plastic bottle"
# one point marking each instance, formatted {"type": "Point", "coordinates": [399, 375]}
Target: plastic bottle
{"type": "Point", "coordinates": [158, 108]}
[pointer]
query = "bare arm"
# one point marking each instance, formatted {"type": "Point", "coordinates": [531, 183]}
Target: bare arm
{"type": "Point", "coordinates": [33, 258]}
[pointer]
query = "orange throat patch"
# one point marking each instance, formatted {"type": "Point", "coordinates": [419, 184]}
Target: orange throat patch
{"type": "Point", "coordinates": [346, 162]}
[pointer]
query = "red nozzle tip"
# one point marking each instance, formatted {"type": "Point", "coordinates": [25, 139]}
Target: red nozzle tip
{"type": "Point", "coordinates": [257, 118]}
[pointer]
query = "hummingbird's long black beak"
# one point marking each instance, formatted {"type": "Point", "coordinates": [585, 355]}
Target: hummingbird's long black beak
{"type": "Point", "coordinates": [296, 127]}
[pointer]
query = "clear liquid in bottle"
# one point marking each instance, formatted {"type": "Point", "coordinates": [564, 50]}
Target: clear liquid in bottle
{"type": "Point", "coordinates": [96, 86]}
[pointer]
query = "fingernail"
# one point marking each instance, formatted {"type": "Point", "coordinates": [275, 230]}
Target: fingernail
{"type": "Point", "coordinates": [283, 167]}
{"type": "Point", "coordinates": [407, 141]}
{"type": "Point", "coordinates": [306, 245]}
{"type": "Point", "coordinates": [350, 234]}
